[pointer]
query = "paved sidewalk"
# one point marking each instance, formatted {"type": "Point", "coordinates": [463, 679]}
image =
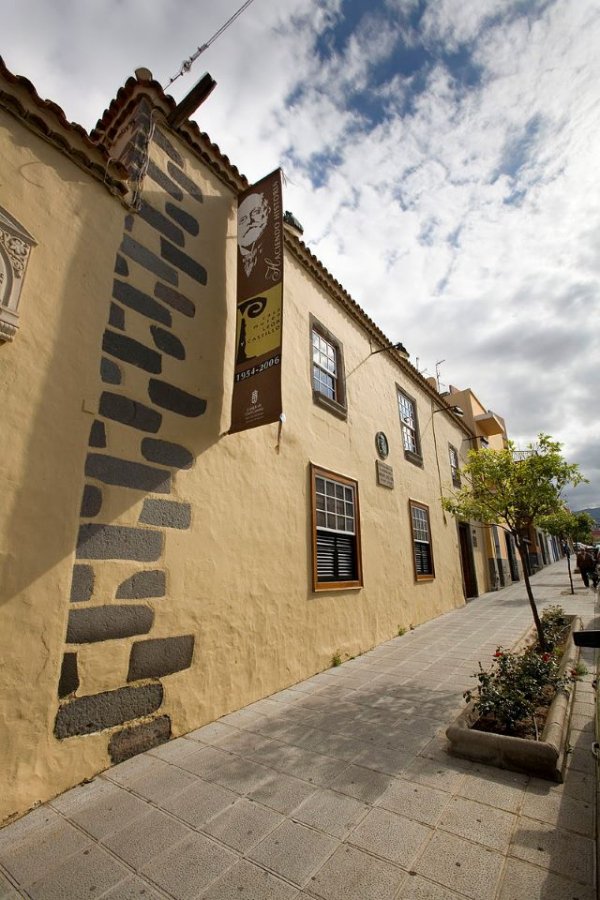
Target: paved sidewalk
{"type": "Point", "coordinates": [339, 788]}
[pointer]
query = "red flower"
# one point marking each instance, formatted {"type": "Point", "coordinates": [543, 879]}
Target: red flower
{"type": "Point", "coordinates": [546, 656]}
{"type": "Point", "coordinates": [498, 653]}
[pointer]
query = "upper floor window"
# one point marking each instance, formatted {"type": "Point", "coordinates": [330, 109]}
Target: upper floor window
{"type": "Point", "coordinates": [327, 370]}
{"type": "Point", "coordinates": [336, 531]}
{"type": "Point", "coordinates": [325, 374]}
{"type": "Point", "coordinates": [454, 466]}
{"type": "Point", "coordinates": [411, 441]}
{"type": "Point", "coordinates": [421, 534]}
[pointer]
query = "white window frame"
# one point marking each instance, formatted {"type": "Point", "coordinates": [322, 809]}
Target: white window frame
{"type": "Point", "coordinates": [409, 424]}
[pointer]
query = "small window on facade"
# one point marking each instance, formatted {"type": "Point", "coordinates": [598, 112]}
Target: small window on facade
{"type": "Point", "coordinates": [336, 531]}
{"type": "Point", "coordinates": [454, 466]}
{"type": "Point", "coordinates": [407, 409]}
{"type": "Point", "coordinates": [421, 535]}
{"type": "Point", "coordinates": [327, 370]}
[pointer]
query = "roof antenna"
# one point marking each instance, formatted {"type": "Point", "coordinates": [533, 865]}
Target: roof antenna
{"type": "Point", "coordinates": [437, 373]}
{"type": "Point", "coordinates": [188, 63]}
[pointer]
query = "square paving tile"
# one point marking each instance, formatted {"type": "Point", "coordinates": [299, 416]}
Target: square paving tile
{"type": "Point", "coordinates": [77, 797]}
{"type": "Point", "coordinates": [361, 783]}
{"type": "Point", "coordinates": [41, 850]}
{"type": "Point", "coordinates": [142, 839]}
{"type": "Point", "coordinates": [159, 786]}
{"type": "Point", "coordinates": [134, 768]}
{"type": "Point", "coordinates": [244, 743]}
{"type": "Point", "coordinates": [415, 801]}
{"type": "Point", "coordinates": [314, 768]}
{"type": "Point", "coordinates": [248, 882]}
{"type": "Point", "coordinates": [206, 761]}
{"type": "Point", "coordinates": [282, 792]}
{"type": "Point", "coordinates": [242, 825]}
{"type": "Point", "coordinates": [351, 874]}
{"type": "Point", "coordinates": [241, 775]}
{"type": "Point", "coordinates": [393, 837]}
{"type": "Point", "coordinates": [523, 881]}
{"type": "Point", "coordinates": [294, 851]}
{"type": "Point", "coordinates": [478, 823]}
{"type": "Point", "coordinates": [563, 852]}
{"type": "Point", "coordinates": [187, 868]}
{"type": "Point", "coordinates": [174, 751]}
{"type": "Point", "coordinates": [115, 809]}
{"type": "Point", "coordinates": [133, 889]}
{"type": "Point", "coordinates": [336, 814]}
{"type": "Point", "coordinates": [23, 828]}
{"type": "Point", "coordinates": [7, 891]}
{"type": "Point", "coordinates": [201, 802]}
{"type": "Point", "coordinates": [390, 761]}
{"type": "Point", "coordinates": [418, 888]}
{"type": "Point", "coordinates": [461, 866]}
{"type": "Point", "coordinates": [496, 787]}
{"type": "Point", "coordinates": [91, 872]}
{"type": "Point", "coordinates": [560, 810]}
{"type": "Point", "coordinates": [212, 733]}
{"type": "Point", "coordinates": [446, 776]}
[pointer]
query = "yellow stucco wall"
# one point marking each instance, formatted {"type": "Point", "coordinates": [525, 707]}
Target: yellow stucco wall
{"type": "Point", "coordinates": [48, 378]}
{"type": "Point", "coordinates": [239, 578]}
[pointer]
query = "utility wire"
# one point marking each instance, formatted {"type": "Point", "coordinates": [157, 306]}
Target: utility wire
{"type": "Point", "coordinates": [188, 63]}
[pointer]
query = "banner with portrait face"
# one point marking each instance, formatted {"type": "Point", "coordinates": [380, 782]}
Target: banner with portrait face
{"type": "Point", "coordinates": [257, 372]}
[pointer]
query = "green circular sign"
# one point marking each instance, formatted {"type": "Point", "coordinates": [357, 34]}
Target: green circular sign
{"type": "Point", "coordinates": [381, 443]}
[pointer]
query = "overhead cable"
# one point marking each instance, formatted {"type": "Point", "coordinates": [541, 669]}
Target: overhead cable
{"type": "Point", "coordinates": [188, 63]}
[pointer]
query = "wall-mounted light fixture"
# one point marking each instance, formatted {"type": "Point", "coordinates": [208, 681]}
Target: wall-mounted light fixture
{"type": "Point", "coordinates": [399, 346]}
{"type": "Point", "coordinates": [482, 440]}
{"type": "Point", "coordinates": [453, 409]}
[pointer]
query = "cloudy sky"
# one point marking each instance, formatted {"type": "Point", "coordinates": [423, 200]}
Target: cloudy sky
{"type": "Point", "coordinates": [442, 156]}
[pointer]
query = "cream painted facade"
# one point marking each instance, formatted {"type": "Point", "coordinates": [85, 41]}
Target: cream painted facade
{"type": "Point", "coordinates": [157, 571]}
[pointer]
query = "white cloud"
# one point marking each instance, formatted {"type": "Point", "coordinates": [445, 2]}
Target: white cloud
{"type": "Point", "coordinates": [464, 221]}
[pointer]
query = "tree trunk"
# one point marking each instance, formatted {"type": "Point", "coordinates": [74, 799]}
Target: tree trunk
{"type": "Point", "coordinates": [570, 576]}
{"type": "Point", "coordinates": [534, 610]}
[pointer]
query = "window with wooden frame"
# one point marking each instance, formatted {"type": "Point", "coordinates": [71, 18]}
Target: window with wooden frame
{"type": "Point", "coordinates": [327, 360]}
{"type": "Point", "coordinates": [421, 537]}
{"type": "Point", "coordinates": [454, 465]}
{"type": "Point", "coordinates": [335, 531]}
{"type": "Point", "coordinates": [407, 408]}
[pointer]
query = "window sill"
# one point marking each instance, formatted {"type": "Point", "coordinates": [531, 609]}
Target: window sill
{"type": "Point", "coordinates": [421, 578]}
{"type": "Point", "coordinates": [332, 406]}
{"type": "Point", "coordinates": [337, 586]}
{"type": "Point", "coordinates": [414, 458]}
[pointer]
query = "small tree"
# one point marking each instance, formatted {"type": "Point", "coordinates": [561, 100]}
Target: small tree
{"type": "Point", "coordinates": [568, 526]}
{"type": "Point", "coordinates": [514, 490]}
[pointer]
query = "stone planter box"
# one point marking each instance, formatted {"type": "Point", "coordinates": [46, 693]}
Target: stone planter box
{"type": "Point", "coordinates": [544, 758]}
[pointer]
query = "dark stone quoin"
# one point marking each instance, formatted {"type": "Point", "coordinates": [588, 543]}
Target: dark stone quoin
{"type": "Point", "coordinates": [129, 412]}
{"type": "Point", "coordinates": [142, 585]}
{"type": "Point", "coordinates": [86, 715]}
{"type": "Point", "coordinates": [119, 542]}
{"type": "Point", "coordinates": [139, 738]}
{"type": "Point", "coordinates": [161, 656]}
{"type": "Point", "coordinates": [105, 623]}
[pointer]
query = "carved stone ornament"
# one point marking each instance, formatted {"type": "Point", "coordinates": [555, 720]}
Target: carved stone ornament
{"type": "Point", "coordinates": [15, 247]}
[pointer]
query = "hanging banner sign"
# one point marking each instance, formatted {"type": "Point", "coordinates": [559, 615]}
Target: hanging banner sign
{"type": "Point", "coordinates": [257, 375]}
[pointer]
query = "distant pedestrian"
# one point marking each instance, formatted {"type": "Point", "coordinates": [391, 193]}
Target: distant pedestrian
{"type": "Point", "coordinates": [595, 573]}
{"type": "Point", "coordinates": [566, 551]}
{"type": "Point", "coordinates": [586, 566]}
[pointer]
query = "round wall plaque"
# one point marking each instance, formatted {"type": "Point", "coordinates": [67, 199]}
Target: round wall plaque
{"type": "Point", "coordinates": [381, 443]}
